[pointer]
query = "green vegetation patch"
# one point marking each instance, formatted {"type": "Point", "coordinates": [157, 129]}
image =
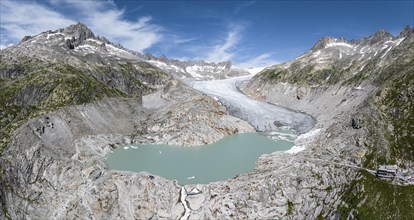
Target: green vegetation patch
{"type": "Point", "coordinates": [39, 87]}
{"type": "Point", "coordinates": [372, 198]}
{"type": "Point", "coordinates": [395, 102]}
{"type": "Point", "coordinates": [291, 207]}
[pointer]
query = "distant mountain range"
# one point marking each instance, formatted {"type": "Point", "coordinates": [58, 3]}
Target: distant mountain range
{"type": "Point", "coordinates": [79, 42]}
{"type": "Point", "coordinates": [197, 70]}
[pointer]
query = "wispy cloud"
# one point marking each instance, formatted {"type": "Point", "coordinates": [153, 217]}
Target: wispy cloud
{"type": "Point", "coordinates": [231, 48]}
{"type": "Point", "coordinates": [243, 6]}
{"type": "Point", "coordinates": [263, 60]}
{"type": "Point", "coordinates": [19, 19]}
{"type": "Point", "coordinates": [172, 43]}
{"type": "Point", "coordinates": [103, 17]}
{"type": "Point", "coordinates": [226, 50]}
{"type": "Point", "coordinates": [106, 19]}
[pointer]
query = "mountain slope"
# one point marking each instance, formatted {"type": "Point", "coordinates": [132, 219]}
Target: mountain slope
{"type": "Point", "coordinates": [67, 67]}
{"type": "Point", "coordinates": [361, 92]}
{"type": "Point", "coordinates": [380, 64]}
{"type": "Point", "coordinates": [334, 60]}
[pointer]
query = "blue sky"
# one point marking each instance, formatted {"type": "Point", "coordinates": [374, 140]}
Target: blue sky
{"type": "Point", "coordinates": [249, 33]}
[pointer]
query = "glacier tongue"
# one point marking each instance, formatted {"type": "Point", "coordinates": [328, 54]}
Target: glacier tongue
{"type": "Point", "coordinates": [261, 115]}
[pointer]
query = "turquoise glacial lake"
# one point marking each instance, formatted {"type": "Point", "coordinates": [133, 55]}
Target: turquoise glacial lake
{"type": "Point", "coordinates": [230, 156]}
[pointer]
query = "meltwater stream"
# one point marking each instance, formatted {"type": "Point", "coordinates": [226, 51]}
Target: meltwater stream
{"type": "Point", "coordinates": [230, 156]}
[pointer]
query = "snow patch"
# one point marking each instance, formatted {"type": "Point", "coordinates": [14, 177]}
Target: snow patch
{"type": "Point", "coordinates": [117, 52]}
{"type": "Point", "coordinates": [340, 44]}
{"type": "Point", "coordinates": [54, 34]}
{"type": "Point", "coordinates": [316, 53]}
{"type": "Point", "coordinates": [195, 70]}
{"type": "Point", "coordinates": [94, 40]}
{"type": "Point", "coordinates": [255, 70]}
{"type": "Point", "coordinates": [178, 69]}
{"type": "Point", "coordinates": [295, 149]}
{"type": "Point", "coordinates": [397, 42]}
{"type": "Point", "coordinates": [86, 48]}
{"type": "Point", "coordinates": [165, 66]}
{"type": "Point", "coordinates": [386, 52]}
{"type": "Point", "coordinates": [303, 140]}
{"type": "Point", "coordinates": [363, 50]}
{"type": "Point", "coordinates": [384, 47]}
{"type": "Point", "coordinates": [321, 60]}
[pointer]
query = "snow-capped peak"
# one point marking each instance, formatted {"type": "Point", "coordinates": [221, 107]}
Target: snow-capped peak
{"type": "Point", "coordinates": [77, 39]}
{"type": "Point", "coordinates": [197, 70]}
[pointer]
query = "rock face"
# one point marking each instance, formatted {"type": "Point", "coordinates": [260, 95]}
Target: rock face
{"type": "Point", "coordinates": [53, 161]}
{"type": "Point", "coordinates": [42, 74]}
{"type": "Point", "coordinates": [80, 33]}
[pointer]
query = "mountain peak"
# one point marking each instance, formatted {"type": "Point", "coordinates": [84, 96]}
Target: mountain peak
{"type": "Point", "coordinates": [407, 31]}
{"type": "Point", "coordinates": [379, 36]}
{"type": "Point", "coordinates": [227, 64]}
{"type": "Point", "coordinates": [77, 28]}
{"type": "Point", "coordinates": [80, 32]}
{"type": "Point", "coordinates": [324, 41]}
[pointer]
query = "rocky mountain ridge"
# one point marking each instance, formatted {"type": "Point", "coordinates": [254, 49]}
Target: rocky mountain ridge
{"type": "Point", "coordinates": [197, 69]}
{"type": "Point", "coordinates": [82, 43]}
{"type": "Point", "coordinates": [78, 38]}
{"type": "Point", "coordinates": [332, 60]}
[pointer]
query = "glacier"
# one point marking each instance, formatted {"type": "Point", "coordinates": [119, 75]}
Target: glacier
{"type": "Point", "coordinates": [263, 116]}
